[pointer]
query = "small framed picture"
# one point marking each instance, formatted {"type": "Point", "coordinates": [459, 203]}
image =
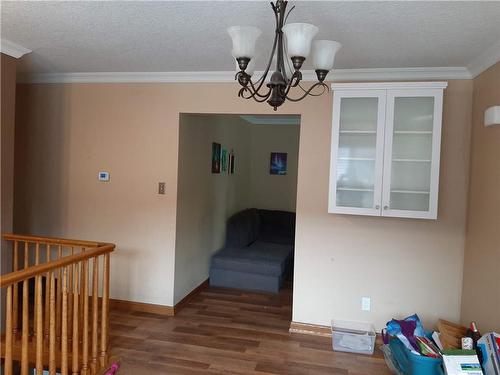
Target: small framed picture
{"type": "Point", "coordinates": [278, 163]}
{"type": "Point", "coordinates": [230, 170]}
{"type": "Point", "coordinates": [223, 159]}
{"type": "Point", "coordinates": [216, 156]}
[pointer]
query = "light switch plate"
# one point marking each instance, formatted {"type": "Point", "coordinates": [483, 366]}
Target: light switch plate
{"type": "Point", "coordinates": [103, 176]}
{"type": "Point", "coordinates": [161, 188]}
{"type": "Point", "coordinates": [366, 303]}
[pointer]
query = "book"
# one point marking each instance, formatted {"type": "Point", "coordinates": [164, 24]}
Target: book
{"type": "Point", "coordinates": [489, 345]}
{"type": "Point", "coordinates": [437, 340]}
{"type": "Point", "coordinates": [461, 362]}
{"type": "Point", "coordinates": [427, 347]}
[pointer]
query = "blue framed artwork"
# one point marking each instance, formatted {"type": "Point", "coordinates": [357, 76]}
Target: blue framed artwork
{"type": "Point", "coordinates": [278, 163]}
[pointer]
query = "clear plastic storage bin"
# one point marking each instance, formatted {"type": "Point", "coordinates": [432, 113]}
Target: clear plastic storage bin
{"type": "Point", "coordinates": [353, 337]}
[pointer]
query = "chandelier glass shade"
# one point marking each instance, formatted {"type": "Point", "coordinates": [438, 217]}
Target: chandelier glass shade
{"type": "Point", "coordinates": [293, 44]}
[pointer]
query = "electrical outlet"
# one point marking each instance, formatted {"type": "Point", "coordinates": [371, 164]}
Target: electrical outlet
{"type": "Point", "coordinates": [366, 303]}
{"type": "Point", "coordinates": [161, 188]}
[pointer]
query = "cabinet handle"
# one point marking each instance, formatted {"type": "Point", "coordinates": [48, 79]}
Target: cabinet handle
{"type": "Point", "coordinates": [386, 207]}
{"type": "Point", "coordinates": [377, 207]}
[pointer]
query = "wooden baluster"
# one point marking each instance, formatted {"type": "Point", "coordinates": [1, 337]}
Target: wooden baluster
{"type": "Point", "coordinates": [26, 255]}
{"type": "Point", "coordinates": [75, 319]}
{"type": "Point", "coordinates": [64, 322]}
{"type": "Point", "coordinates": [95, 312]}
{"type": "Point", "coordinates": [8, 331]}
{"type": "Point", "coordinates": [35, 322]}
{"type": "Point", "coordinates": [70, 295]}
{"type": "Point", "coordinates": [81, 296]}
{"type": "Point", "coordinates": [39, 325]}
{"type": "Point", "coordinates": [52, 325]}
{"type": "Point", "coordinates": [25, 327]}
{"type": "Point", "coordinates": [15, 311]}
{"type": "Point", "coordinates": [85, 332]}
{"type": "Point", "coordinates": [59, 295]}
{"type": "Point", "coordinates": [47, 295]}
{"type": "Point", "coordinates": [105, 311]}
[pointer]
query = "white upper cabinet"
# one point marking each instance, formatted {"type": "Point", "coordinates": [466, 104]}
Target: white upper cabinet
{"type": "Point", "coordinates": [385, 149]}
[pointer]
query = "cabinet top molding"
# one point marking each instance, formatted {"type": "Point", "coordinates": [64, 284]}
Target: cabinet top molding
{"type": "Point", "coordinates": [389, 85]}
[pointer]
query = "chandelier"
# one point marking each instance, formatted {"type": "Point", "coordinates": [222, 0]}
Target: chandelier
{"type": "Point", "coordinates": [288, 59]}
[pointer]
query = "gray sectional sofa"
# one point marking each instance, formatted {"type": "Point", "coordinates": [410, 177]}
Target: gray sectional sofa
{"type": "Point", "coordinates": [258, 253]}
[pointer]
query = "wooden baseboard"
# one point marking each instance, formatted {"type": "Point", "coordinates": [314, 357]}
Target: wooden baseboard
{"type": "Point", "coordinates": [142, 307]}
{"type": "Point", "coordinates": [310, 329]}
{"type": "Point", "coordinates": [183, 302]}
{"type": "Point", "coordinates": [318, 330]}
{"type": "Point", "coordinates": [156, 309]}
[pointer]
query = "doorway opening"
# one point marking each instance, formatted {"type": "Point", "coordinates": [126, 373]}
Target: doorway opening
{"type": "Point", "coordinates": [236, 203]}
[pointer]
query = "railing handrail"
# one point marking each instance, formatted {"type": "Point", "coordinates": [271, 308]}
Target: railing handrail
{"type": "Point", "coordinates": [51, 240]}
{"type": "Point", "coordinates": [28, 273]}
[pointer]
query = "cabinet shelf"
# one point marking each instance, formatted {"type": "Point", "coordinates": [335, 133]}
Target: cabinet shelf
{"type": "Point", "coordinates": [412, 160]}
{"type": "Point", "coordinates": [410, 191]}
{"type": "Point", "coordinates": [413, 132]}
{"type": "Point", "coordinates": [355, 189]}
{"type": "Point", "coordinates": [358, 132]}
{"type": "Point", "coordinates": [358, 159]}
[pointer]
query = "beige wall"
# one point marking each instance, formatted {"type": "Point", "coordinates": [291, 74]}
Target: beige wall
{"type": "Point", "coordinates": [274, 192]}
{"type": "Point", "coordinates": [8, 104]}
{"type": "Point", "coordinates": [404, 265]}
{"type": "Point", "coordinates": [204, 199]}
{"type": "Point", "coordinates": [70, 131]}
{"type": "Point", "coordinates": [481, 289]}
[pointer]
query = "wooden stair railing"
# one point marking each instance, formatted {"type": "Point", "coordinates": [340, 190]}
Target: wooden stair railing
{"type": "Point", "coordinates": [56, 307]}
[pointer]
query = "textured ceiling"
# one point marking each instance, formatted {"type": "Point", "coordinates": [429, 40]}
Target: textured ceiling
{"type": "Point", "coordinates": [190, 36]}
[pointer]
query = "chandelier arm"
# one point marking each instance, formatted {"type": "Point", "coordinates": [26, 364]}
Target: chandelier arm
{"type": "Point", "coordinates": [262, 79]}
{"type": "Point", "coordinates": [290, 11]}
{"type": "Point", "coordinates": [322, 92]}
{"type": "Point", "coordinates": [263, 99]}
{"type": "Point", "coordinates": [256, 96]}
{"type": "Point", "coordinates": [308, 92]}
{"type": "Point", "coordinates": [280, 65]}
{"type": "Point", "coordinates": [294, 81]}
{"type": "Point", "coordinates": [256, 91]}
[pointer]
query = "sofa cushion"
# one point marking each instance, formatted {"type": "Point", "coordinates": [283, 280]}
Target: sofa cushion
{"type": "Point", "coordinates": [277, 227]}
{"type": "Point", "coordinates": [242, 228]}
{"type": "Point", "coordinates": [260, 257]}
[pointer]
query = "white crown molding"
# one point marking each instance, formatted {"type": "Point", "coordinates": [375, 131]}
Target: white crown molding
{"type": "Point", "coordinates": [488, 58]}
{"type": "Point", "coordinates": [13, 49]}
{"type": "Point", "coordinates": [400, 74]}
{"type": "Point", "coordinates": [337, 75]}
{"type": "Point", "coordinates": [389, 85]}
{"type": "Point", "coordinates": [129, 77]}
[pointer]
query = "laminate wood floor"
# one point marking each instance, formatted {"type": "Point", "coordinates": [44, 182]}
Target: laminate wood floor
{"type": "Point", "coordinates": [223, 331]}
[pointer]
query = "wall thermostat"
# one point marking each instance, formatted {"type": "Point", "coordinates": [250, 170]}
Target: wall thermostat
{"type": "Point", "coordinates": [104, 176]}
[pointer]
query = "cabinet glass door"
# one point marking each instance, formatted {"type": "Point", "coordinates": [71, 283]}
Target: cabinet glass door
{"type": "Point", "coordinates": [412, 153]}
{"type": "Point", "coordinates": [356, 164]}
